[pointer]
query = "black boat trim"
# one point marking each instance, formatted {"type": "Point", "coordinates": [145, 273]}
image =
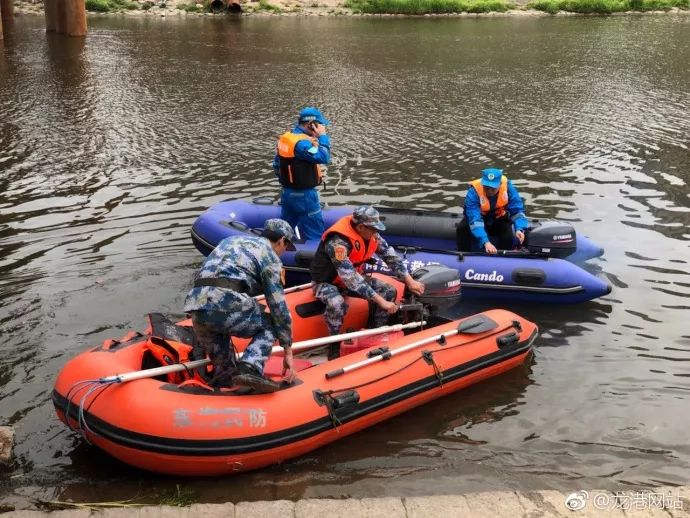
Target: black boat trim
{"type": "Point", "coordinates": [465, 284]}
{"type": "Point", "coordinates": [224, 447]}
{"type": "Point", "coordinates": [197, 238]}
{"type": "Point", "coordinates": [521, 287]}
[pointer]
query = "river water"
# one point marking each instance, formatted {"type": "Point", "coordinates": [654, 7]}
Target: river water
{"type": "Point", "coordinates": [112, 145]}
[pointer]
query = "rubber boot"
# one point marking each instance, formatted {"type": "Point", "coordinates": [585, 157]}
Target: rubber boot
{"type": "Point", "coordinates": [249, 377]}
{"type": "Point", "coordinates": [334, 351]}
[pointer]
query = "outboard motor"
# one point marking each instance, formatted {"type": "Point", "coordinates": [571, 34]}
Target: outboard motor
{"type": "Point", "coordinates": [441, 291]}
{"type": "Point", "coordinates": [551, 238]}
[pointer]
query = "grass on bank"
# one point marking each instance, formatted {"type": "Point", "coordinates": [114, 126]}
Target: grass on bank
{"type": "Point", "coordinates": [202, 6]}
{"type": "Point", "coordinates": [606, 6]}
{"type": "Point", "coordinates": [108, 6]}
{"type": "Point", "coordinates": [427, 6]}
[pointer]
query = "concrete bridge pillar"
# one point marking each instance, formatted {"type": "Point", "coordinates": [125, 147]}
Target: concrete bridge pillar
{"type": "Point", "coordinates": [75, 17]}
{"type": "Point", "coordinates": [6, 14]}
{"type": "Point", "coordinates": [7, 7]}
{"type": "Point", "coordinates": [50, 8]}
{"type": "Point", "coordinates": [65, 17]}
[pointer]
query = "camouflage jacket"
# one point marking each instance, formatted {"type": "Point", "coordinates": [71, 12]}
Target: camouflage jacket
{"type": "Point", "coordinates": [349, 275]}
{"type": "Point", "coordinates": [248, 259]}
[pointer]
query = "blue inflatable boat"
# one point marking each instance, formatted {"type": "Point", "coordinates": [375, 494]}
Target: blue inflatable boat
{"type": "Point", "coordinates": [543, 273]}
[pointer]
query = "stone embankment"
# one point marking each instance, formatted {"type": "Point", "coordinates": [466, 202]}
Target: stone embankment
{"type": "Point", "coordinates": [667, 502]}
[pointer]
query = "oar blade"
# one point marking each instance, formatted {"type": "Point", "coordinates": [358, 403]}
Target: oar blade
{"type": "Point", "coordinates": [476, 324]}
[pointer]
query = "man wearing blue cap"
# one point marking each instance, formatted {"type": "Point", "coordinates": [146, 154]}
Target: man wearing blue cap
{"type": "Point", "coordinates": [299, 154]}
{"type": "Point", "coordinates": [339, 262]}
{"type": "Point", "coordinates": [493, 207]}
{"type": "Point", "coordinates": [221, 304]}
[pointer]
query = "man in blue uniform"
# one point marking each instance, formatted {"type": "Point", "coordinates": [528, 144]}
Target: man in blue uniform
{"type": "Point", "coordinates": [493, 208]}
{"type": "Point", "coordinates": [299, 154]}
{"type": "Point", "coordinates": [221, 304]}
{"type": "Point", "coordinates": [339, 262]}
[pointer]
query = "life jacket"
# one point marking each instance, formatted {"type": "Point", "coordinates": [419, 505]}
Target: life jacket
{"type": "Point", "coordinates": [501, 201]}
{"type": "Point", "coordinates": [296, 173]}
{"type": "Point", "coordinates": [322, 269]}
{"type": "Point", "coordinates": [164, 353]}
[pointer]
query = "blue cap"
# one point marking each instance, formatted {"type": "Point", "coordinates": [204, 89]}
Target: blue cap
{"type": "Point", "coordinates": [368, 216]}
{"type": "Point", "coordinates": [492, 178]}
{"type": "Point", "coordinates": [311, 114]}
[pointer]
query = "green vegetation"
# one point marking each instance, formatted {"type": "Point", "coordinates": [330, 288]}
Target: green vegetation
{"type": "Point", "coordinates": [427, 6]}
{"type": "Point", "coordinates": [606, 6]}
{"type": "Point", "coordinates": [181, 497]}
{"type": "Point", "coordinates": [189, 8]}
{"type": "Point", "coordinates": [108, 6]}
{"type": "Point", "coordinates": [203, 6]}
{"type": "Point", "coordinates": [265, 5]}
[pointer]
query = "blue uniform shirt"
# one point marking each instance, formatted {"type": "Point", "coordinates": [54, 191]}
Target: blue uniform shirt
{"type": "Point", "coordinates": [307, 151]}
{"type": "Point", "coordinates": [477, 222]}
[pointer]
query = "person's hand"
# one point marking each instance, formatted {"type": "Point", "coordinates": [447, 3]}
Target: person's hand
{"type": "Point", "coordinates": [489, 248]}
{"type": "Point", "coordinates": [288, 368]}
{"type": "Point", "coordinates": [318, 129]}
{"type": "Point", "coordinates": [415, 287]}
{"type": "Point", "coordinates": [520, 235]}
{"type": "Point", "coordinates": [388, 307]}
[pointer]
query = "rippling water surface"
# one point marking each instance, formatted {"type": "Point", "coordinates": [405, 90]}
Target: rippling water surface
{"type": "Point", "coordinates": [111, 146]}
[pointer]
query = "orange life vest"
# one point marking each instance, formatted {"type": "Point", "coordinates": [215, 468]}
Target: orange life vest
{"type": "Point", "coordinates": [165, 354]}
{"type": "Point", "coordinates": [296, 173]}
{"type": "Point", "coordinates": [322, 269]}
{"type": "Point", "coordinates": [501, 201]}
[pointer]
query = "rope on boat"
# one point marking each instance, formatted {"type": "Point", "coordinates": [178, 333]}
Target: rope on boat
{"type": "Point", "coordinates": [90, 386]}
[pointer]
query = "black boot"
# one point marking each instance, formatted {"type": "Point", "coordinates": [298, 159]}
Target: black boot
{"type": "Point", "coordinates": [249, 377]}
{"type": "Point", "coordinates": [334, 351]}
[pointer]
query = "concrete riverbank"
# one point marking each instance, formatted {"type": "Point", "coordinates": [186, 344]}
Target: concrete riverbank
{"type": "Point", "coordinates": [666, 502]}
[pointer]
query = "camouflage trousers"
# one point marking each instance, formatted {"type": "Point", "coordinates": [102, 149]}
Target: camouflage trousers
{"type": "Point", "coordinates": [336, 307]}
{"type": "Point", "coordinates": [213, 331]}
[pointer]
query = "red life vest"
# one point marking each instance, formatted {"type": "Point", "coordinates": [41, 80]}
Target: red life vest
{"type": "Point", "coordinates": [501, 201]}
{"type": "Point", "coordinates": [296, 173]}
{"type": "Point", "coordinates": [322, 269]}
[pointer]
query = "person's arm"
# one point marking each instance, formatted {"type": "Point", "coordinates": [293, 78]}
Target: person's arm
{"type": "Point", "coordinates": [275, 298]}
{"type": "Point", "coordinates": [474, 217]}
{"type": "Point", "coordinates": [338, 250]}
{"type": "Point", "coordinates": [314, 154]}
{"type": "Point", "coordinates": [516, 209]}
{"type": "Point", "coordinates": [392, 259]}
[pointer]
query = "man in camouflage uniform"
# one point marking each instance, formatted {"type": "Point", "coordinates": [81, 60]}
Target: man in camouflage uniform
{"type": "Point", "coordinates": [338, 264]}
{"type": "Point", "coordinates": [221, 304]}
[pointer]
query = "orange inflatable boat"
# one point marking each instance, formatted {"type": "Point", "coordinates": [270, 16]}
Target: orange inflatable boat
{"type": "Point", "coordinates": [174, 424]}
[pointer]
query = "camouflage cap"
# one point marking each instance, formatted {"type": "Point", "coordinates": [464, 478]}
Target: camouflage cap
{"type": "Point", "coordinates": [281, 228]}
{"type": "Point", "coordinates": [369, 216]}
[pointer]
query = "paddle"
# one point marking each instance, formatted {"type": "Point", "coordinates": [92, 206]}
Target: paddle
{"type": "Point", "coordinates": [297, 346]}
{"type": "Point", "coordinates": [473, 325]}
